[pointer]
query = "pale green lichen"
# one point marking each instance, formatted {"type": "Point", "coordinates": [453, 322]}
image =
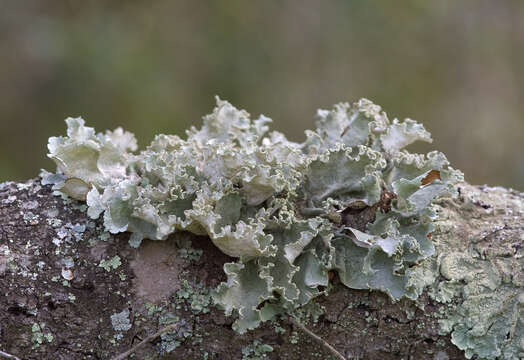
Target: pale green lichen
{"type": "Point", "coordinates": [38, 336]}
{"type": "Point", "coordinates": [112, 263]}
{"type": "Point", "coordinates": [278, 206]}
{"type": "Point", "coordinates": [152, 308]}
{"type": "Point", "coordinates": [256, 351]}
{"type": "Point", "coordinates": [172, 339]}
{"type": "Point", "coordinates": [198, 297]}
{"type": "Point", "coordinates": [484, 276]}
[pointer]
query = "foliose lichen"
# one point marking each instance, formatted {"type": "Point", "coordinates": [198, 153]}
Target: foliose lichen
{"type": "Point", "coordinates": [120, 321]}
{"type": "Point", "coordinates": [482, 278]}
{"type": "Point", "coordinates": [348, 199]}
{"type": "Point", "coordinates": [112, 263]}
{"type": "Point", "coordinates": [38, 335]}
{"type": "Point", "coordinates": [256, 351]}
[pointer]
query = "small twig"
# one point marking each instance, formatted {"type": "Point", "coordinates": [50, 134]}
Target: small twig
{"type": "Point", "coordinates": [8, 356]}
{"type": "Point", "coordinates": [145, 341]}
{"type": "Point", "coordinates": [291, 319]}
{"type": "Point", "coordinates": [317, 338]}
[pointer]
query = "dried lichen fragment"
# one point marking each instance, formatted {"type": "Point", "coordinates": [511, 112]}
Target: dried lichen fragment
{"type": "Point", "coordinates": [285, 211]}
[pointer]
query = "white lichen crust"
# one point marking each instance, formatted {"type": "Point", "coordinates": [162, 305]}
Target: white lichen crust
{"type": "Point", "coordinates": [279, 207]}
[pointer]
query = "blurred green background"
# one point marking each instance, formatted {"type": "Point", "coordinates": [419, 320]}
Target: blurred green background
{"type": "Point", "coordinates": [155, 66]}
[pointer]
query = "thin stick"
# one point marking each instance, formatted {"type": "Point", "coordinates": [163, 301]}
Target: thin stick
{"type": "Point", "coordinates": [317, 338]}
{"type": "Point", "coordinates": [8, 356]}
{"type": "Point", "coordinates": [292, 320]}
{"type": "Point", "coordinates": [145, 341]}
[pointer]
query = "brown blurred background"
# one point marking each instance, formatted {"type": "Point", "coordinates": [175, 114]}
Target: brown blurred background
{"type": "Point", "coordinates": [155, 66]}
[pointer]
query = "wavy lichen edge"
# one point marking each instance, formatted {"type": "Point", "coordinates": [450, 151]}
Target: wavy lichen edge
{"type": "Point", "coordinates": [347, 199]}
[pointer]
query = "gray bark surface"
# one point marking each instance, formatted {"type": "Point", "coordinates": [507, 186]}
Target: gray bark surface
{"type": "Point", "coordinates": [71, 291]}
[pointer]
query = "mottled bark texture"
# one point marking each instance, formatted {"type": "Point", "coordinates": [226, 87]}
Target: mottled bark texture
{"type": "Point", "coordinates": [71, 291]}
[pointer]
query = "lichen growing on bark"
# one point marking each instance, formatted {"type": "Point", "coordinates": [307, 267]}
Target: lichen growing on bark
{"type": "Point", "coordinates": [284, 209]}
{"type": "Point", "coordinates": [348, 199]}
{"type": "Point", "coordinates": [481, 277]}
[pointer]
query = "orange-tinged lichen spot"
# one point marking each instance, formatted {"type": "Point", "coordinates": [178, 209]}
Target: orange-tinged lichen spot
{"type": "Point", "coordinates": [430, 177]}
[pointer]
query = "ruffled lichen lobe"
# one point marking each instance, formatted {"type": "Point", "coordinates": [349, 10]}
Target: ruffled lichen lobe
{"type": "Point", "coordinates": [349, 199]}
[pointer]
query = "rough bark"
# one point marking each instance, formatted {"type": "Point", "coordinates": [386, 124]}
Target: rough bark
{"type": "Point", "coordinates": [68, 289]}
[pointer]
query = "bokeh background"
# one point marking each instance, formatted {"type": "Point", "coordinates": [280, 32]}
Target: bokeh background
{"type": "Point", "coordinates": [155, 66]}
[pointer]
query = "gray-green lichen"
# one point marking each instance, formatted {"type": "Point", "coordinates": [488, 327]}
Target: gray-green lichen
{"type": "Point", "coordinates": [120, 321]}
{"type": "Point", "coordinates": [347, 199]}
{"type": "Point", "coordinates": [256, 351]}
{"type": "Point", "coordinates": [112, 263]}
{"type": "Point", "coordinates": [482, 277]}
{"type": "Point", "coordinates": [38, 335]}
